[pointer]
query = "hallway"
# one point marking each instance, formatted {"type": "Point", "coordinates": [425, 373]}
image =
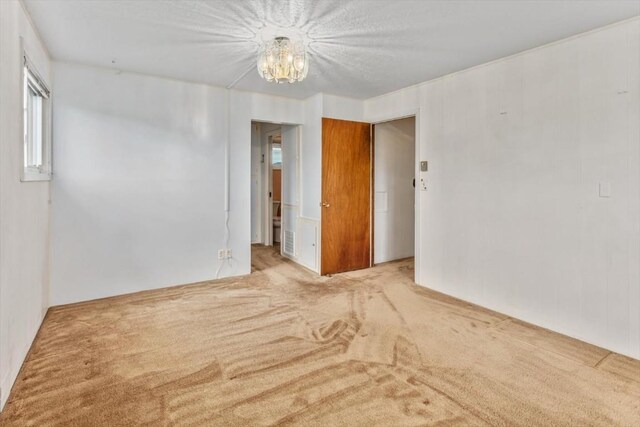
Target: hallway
{"type": "Point", "coordinates": [284, 346]}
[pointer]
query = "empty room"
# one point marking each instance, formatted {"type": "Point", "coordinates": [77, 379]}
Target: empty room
{"type": "Point", "coordinates": [320, 213]}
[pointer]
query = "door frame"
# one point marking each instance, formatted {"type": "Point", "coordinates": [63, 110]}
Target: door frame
{"type": "Point", "coordinates": [412, 112]}
{"type": "Point", "coordinates": [264, 176]}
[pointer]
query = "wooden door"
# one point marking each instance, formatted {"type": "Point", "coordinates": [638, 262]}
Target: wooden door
{"type": "Point", "coordinates": [346, 196]}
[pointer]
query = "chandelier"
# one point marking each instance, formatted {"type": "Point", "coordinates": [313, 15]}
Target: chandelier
{"type": "Point", "coordinates": [281, 60]}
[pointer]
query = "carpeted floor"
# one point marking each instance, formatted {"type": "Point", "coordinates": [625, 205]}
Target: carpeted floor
{"type": "Point", "coordinates": [285, 347]}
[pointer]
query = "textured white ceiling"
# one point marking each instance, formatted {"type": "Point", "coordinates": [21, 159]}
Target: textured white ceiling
{"type": "Point", "coordinates": [358, 48]}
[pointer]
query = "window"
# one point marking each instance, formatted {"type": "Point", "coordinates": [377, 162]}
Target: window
{"type": "Point", "coordinates": [37, 126]}
{"type": "Point", "coordinates": [276, 155]}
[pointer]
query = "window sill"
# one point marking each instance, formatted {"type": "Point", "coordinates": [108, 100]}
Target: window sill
{"type": "Point", "coordinates": [35, 176]}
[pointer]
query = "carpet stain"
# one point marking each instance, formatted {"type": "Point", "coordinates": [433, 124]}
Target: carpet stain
{"type": "Point", "coordinates": [283, 346]}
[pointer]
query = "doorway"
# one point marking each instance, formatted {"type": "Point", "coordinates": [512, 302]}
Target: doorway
{"type": "Point", "coordinates": [266, 182]}
{"type": "Point", "coordinates": [274, 186]}
{"type": "Point", "coordinates": [394, 190]}
{"type": "Point", "coordinates": [368, 193]}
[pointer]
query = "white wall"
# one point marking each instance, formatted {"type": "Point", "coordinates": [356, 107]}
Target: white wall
{"type": "Point", "coordinates": [394, 195]}
{"type": "Point", "coordinates": [139, 184]}
{"type": "Point", "coordinates": [512, 218]}
{"type": "Point", "coordinates": [139, 190]}
{"type": "Point", "coordinates": [342, 108]}
{"type": "Point", "coordinates": [311, 158]}
{"type": "Point", "coordinates": [24, 207]}
{"type": "Point", "coordinates": [310, 183]}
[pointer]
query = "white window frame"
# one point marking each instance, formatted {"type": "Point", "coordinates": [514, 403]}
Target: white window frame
{"type": "Point", "coordinates": [32, 81]}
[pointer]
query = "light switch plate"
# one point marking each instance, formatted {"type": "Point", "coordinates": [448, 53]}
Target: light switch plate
{"type": "Point", "coordinates": [604, 189]}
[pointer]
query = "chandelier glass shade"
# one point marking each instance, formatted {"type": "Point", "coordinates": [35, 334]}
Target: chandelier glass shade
{"type": "Point", "coordinates": [281, 60]}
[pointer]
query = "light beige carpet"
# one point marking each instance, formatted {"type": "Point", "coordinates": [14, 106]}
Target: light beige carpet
{"type": "Point", "coordinates": [285, 347]}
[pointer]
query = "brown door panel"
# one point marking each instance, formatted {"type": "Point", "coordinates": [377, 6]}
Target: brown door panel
{"type": "Point", "coordinates": [346, 196]}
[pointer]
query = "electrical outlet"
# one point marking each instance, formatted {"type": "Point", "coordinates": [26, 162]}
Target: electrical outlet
{"type": "Point", "coordinates": [224, 254]}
